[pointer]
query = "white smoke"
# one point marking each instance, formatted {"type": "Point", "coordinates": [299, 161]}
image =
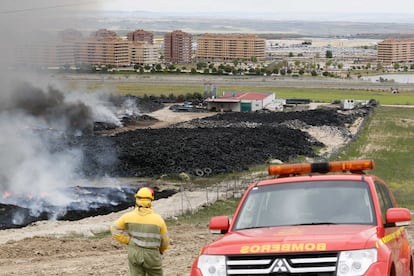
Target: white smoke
{"type": "Point", "coordinates": [35, 115]}
{"type": "Point", "coordinates": [28, 167]}
{"type": "Point", "coordinates": [101, 107]}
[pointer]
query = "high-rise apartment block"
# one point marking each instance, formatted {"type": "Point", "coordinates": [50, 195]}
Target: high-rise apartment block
{"type": "Point", "coordinates": [144, 53]}
{"type": "Point", "coordinates": [104, 34]}
{"type": "Point", "coordinates": [178, 47]}
{"type": "Point", "coordinates": [391, 51]}
{"type": "Point", "coordinates": [141, 36]}
{"type": "Point", "coordinates": [108, 51]}
{"type": "Point", "coordinates": [228, 47]}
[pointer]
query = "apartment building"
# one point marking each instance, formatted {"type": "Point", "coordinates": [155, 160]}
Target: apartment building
{"type": "Point", "coordinates": [141, 36]}
{"type": "Point", "coordinates": [144, 53]}
{"type": "Point", "coordinates": [45, 50]}
{"type": "Point", "coordinates": [44, 54]}
{"type": "Point", "coordinates": [178, 47]}
{"type": "Point", "coordinates": [104, 34]}
{"type": "Point", "coordinates": [113, 51]}
{"type": "Point", "coordinates": [228, 47]}
{"type": "Point", "coordinates": [391, 51]}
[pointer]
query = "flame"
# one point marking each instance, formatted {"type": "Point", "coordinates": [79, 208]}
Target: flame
{"type": "Point", "coordinates": [6, 194]}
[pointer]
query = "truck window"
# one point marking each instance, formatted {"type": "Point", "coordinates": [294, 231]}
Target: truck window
{"type": "Point", "coordinates": [315, 202]}
{"type": "Point", "coordinates": [384, 199]}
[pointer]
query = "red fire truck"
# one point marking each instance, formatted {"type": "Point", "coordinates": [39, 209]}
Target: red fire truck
{"type": "Point", "coordinates": [315, 219]}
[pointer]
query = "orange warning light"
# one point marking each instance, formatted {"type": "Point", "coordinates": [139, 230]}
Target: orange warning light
{"type": "Point", "coordinates": [322, 167]}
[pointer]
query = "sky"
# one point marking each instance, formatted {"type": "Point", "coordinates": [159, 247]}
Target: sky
{"type": "Point", "coordinates": [264, 6]}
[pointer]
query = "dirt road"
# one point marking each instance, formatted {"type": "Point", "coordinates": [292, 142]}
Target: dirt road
{"type": "Point", "coordinates": [71, 248]}
{"type": "Point", "coordinates": [246, 81]}
{"type": "Point", "coordinates": [101, 256]}
{"type": "Point", "coordinates": [97, 256]}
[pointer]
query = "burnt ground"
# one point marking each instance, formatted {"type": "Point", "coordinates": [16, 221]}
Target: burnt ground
{"type": "Point", "coordinates": [223, 143]}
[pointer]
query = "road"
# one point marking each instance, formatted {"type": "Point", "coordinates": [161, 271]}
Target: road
{"type": "Point", "coordinates": [248, 81]}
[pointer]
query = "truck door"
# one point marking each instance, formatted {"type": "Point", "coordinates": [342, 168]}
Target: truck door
{"type": "Point", "coordinates": [394, 236]}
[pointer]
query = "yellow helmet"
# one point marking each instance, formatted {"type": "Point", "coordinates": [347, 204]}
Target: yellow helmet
{"type": "Point", "coordinates": [145, 192]}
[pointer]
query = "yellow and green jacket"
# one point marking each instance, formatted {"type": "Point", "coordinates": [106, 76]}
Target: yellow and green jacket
{"type": "Point", "coordinates": [143, 228]}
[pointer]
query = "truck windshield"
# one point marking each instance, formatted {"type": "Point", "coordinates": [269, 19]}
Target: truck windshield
{"type": "Point", "coordinates": [307, 203]}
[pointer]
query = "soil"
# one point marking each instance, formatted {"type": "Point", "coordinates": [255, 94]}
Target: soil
{"type": "Point", "coordinates": [71, 247]}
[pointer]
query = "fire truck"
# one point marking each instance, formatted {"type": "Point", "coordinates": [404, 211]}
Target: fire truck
{"type": "Point", "coordinates": [314, 219]}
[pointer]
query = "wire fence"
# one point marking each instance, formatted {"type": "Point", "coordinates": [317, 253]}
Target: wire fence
{"type": "Point", "coordinates": [192, 196]}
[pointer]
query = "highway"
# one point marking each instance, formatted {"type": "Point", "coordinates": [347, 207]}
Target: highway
{"type": "Point", "coordinates": [248, 81]}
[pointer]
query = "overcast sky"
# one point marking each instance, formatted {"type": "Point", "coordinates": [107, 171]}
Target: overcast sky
{"type": "Point", "coordinates": [260, 6]}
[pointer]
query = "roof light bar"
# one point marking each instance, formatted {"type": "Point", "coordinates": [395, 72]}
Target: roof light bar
{"type": "Point", "coordinates": [322, 167]}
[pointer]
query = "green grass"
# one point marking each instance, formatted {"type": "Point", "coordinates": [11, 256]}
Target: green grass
{"type": "Point", "coordinates": [202, 216]}
{"type": "Point", "coordinates": [314, 94]}
{"type": "Point", "coordinates": [388, 139]}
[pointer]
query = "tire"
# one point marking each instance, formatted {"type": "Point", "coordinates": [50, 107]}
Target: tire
{"type": "Point", "coordinates": [199, 172]}
{"type": "Point", "coordinates": [207, 170]}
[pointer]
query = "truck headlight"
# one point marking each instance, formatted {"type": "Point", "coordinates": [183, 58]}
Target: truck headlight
{"type": "Point", "coordinates": [356, 262]}
{"type": "Point", "coordinates": [212, 265]}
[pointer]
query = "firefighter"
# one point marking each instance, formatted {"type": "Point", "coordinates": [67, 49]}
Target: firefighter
{"type": "Point", "coordinates": [145, 233]}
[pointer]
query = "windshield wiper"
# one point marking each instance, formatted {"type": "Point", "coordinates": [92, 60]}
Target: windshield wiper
{"type": "Point", "coordinates": [298, 224]}
{"type": "Point", "coordinates": [315, 223]}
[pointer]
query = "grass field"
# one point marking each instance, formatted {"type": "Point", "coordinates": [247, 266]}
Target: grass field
{"type": "Point", "coordinates": [315, 94]}
{"type": "Point", "coordinates": [388, 139]}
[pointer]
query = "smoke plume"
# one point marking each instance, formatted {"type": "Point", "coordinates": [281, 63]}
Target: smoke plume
{"type": "Point", "coordinates": [36, 113]}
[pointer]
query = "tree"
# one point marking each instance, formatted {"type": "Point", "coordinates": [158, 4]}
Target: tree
{"type": "Point", "coordinates": [379, 66]}
{"type": "Point", "coordinates": [396, 66]}
{"type": "Point", "coordinates": [328, 63]}
{"type": "Point", "coordinates": [201, 65]}
{"type": "Point", "coordinates": [328, 54]}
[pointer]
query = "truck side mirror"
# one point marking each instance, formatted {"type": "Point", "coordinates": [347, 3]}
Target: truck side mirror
{"type": "Point", "coordinates": [398, 216]}
{"type": "Point", "coordinates": [219, 224]}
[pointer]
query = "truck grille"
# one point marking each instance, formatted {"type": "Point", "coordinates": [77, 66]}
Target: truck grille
{"type": "Point", "coordinates": [313, 264]}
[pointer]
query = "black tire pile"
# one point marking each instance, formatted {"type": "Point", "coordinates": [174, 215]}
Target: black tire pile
{"type": "Point", "coordinates": [224, 143]}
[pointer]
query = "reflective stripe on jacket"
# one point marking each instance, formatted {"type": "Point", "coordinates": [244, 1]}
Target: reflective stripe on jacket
{"type": "Point", "coordinates": [143, 227]}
